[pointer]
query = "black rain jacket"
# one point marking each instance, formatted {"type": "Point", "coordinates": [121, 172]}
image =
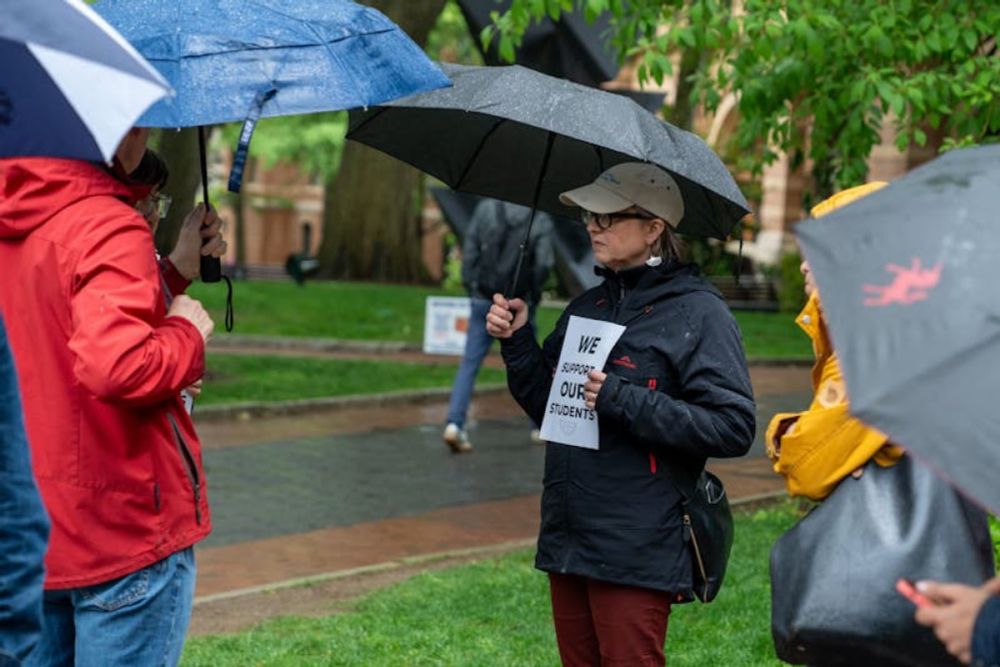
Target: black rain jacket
{"type": "Point", "coordinates": [678, 391]}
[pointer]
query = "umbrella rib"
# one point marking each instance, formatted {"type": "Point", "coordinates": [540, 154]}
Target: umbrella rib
{"type": "Point", "coordinates": [475, 155]}
{"type": "Point", "coordinates": [600, 158]}
{"type": "Point", "coordinates": [349, 71]}
{"type": "Point", "coordinates": [372, 116]}
{"type": "Point", "coordinates": [534, 208]}
{"type": "Point", "coordinates": [255, 47]}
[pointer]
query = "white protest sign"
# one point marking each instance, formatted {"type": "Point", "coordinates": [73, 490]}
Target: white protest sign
{"type": "Point", "coordinates": [446, 321]}
{"type": "Point", "coordinates": [586, 346]}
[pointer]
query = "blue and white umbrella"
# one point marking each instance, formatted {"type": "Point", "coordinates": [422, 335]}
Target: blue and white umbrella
{"type": "Point", "coordinates": [70, 86]}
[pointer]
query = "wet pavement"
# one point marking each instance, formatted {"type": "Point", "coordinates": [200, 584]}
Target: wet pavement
{"type": "Point", "coordinates": [301, 496]}
{"type": "Point", "coordinates": [271, 489]}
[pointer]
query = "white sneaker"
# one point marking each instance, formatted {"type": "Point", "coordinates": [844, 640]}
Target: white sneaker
{"type": "Point", "coordinates": [457, 439]}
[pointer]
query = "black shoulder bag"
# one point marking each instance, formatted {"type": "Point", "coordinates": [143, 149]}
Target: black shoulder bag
{"type": "Point", "coordinates": [833, 575]}
{"type": "Point", "coordinates": [708, 531]}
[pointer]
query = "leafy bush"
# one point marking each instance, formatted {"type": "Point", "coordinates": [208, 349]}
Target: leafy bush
{"type": "Point", "coordinates": [452, 263]}
{"type": "Point", "coordinates": [790, 283]}
{"type": "Point", "coordinates": [711, 256]}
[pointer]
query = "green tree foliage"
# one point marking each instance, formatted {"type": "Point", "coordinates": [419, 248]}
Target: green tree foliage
{"type": "Point", "coordinates": [815, 78]}
{"type": "Point", "coordinates": [314, 142]}
{"type": "Point", "coordinates": [791, 284]}
{"type": "Point", "coordinates": [451, 40]}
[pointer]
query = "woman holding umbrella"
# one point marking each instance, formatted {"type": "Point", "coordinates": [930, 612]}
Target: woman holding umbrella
{"type": "Point", "coordinates": [675, 391]}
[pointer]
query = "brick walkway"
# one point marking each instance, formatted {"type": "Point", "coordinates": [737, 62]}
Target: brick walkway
{"type": "Point", "coordinates": [334, 494]}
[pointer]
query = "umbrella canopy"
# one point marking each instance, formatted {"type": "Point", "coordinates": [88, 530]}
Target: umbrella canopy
{"type": "Point", "coordinates": [521, 136]}
{"type": "Point", "coordinates": [229, 58]}
{"type": "Point", "coordinates": [908, 282]}
{"type": "Point", "coordinates": [232, 60]}
{"type": "Point", "coordinates": [70, 86]}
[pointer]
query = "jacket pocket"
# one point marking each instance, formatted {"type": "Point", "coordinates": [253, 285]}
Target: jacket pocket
{"type": "Point", "coordinates": [189, 465]}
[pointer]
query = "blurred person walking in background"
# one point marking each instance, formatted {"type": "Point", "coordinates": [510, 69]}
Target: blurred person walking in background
{"type": "Point", "coordinates": [489, 258]}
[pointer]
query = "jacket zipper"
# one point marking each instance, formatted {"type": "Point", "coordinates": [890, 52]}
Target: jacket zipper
{"type": "Point", "coordinates": [697, 550]}
{"type": "Point", "coordinates": [189, 465]}
{"type": "Point", "coordinates": [621, 299]}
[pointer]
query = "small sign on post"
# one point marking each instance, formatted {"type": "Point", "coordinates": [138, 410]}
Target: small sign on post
{"type": "Point", "coordinates": [586, 346]}
{"type": "Point", "coordinates": [446, 321]}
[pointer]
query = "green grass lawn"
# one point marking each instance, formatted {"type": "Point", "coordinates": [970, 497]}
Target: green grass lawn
{"type": "Point", "coordinates": [354, 311]}
{"type": "Point", "coordinates": [769, 335]}
{"type": "Point", "coordinates": [365, 311]}
{"type": "Point", "coordinates": [235, 378]}
{"type": "Point", "coordinates": [497, 613]}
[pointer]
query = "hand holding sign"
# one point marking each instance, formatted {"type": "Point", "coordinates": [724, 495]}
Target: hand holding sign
{"type": "Point", "coordinates": [569, 415]}
{"type": "Point", "coordinates": [592, 387]}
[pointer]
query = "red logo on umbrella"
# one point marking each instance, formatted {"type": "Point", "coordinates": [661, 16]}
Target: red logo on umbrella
{"type": "Point", "coordinates": [909, 285]}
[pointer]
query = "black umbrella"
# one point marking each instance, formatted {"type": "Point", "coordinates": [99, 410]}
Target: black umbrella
{"type": "Point", "coordinates": [908, 279]}
{"type": "Point", "coordinates": [514, 134]}
{"type": "Point", "coordinates": [571, 48]}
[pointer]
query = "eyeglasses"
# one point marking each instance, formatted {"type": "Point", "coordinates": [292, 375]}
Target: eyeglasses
{"type": "Point", "coordinates": [158, 203]}
{"type": "Point", "coordinates": [604, 221]}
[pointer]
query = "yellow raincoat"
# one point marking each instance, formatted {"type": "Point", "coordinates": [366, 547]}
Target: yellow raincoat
{"type": "Point", "coordinates": [814, 450]}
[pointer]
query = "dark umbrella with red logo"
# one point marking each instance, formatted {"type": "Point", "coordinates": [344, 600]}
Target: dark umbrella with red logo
{"type": "Point", "coordinates": [908, 278]}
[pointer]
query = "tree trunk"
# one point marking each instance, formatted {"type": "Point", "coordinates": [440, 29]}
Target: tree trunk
{"type": "Point", "coordinates": [180, 151]}
{"type": "Point", "coordinates": [681, 114]}
{"type": "Point", "coordinates": [371, 219]}
{"type": "Point", "coordinates": [371, 212]}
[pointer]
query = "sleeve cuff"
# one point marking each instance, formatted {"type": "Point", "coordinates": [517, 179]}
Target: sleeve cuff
{"type": "Point", "coordinates": [609, 399]}
{"type": "Point", "coordinates": [197, 370]}
{"type": "Point", "coordinates": [176, 283]}
{"type": "Point", "coordinates": [986, 634]}
{"type": "Point", "coordinates": [518, 345]}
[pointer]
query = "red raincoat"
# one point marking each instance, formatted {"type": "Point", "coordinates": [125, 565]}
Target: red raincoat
{"type": "Point", "coordinates": [100, 368]}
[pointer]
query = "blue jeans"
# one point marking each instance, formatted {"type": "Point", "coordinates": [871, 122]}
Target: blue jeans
{"type": "Point", "coordinates": [139, 619]}
{"type": "Point", "coordinates": [477, 346]}
{"type": "Point", "coordinates": [24, 526]}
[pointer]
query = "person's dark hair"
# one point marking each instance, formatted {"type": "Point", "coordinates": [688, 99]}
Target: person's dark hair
{"type": "Point", "coordinates": [152, 171]}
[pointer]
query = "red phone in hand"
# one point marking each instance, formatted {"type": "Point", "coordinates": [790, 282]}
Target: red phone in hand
{"type": "Point", "coordinates": [909, 591]}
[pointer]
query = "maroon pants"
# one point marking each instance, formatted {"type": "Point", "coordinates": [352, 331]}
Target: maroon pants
{"type": "Point", "coordinates": [607, 625]}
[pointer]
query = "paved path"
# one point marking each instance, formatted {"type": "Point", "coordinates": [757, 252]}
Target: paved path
{"type": "Point", "coordinates": [322, 496]}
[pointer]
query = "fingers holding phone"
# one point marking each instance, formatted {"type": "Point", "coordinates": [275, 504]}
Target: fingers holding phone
{"type": "Point", "coordinates": [951, 613]}
{"type": "Point", "coordinates": [908, 590]}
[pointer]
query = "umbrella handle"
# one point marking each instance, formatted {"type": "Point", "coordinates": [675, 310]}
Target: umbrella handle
{"type": "Point", "coordinates": [211, 267]}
